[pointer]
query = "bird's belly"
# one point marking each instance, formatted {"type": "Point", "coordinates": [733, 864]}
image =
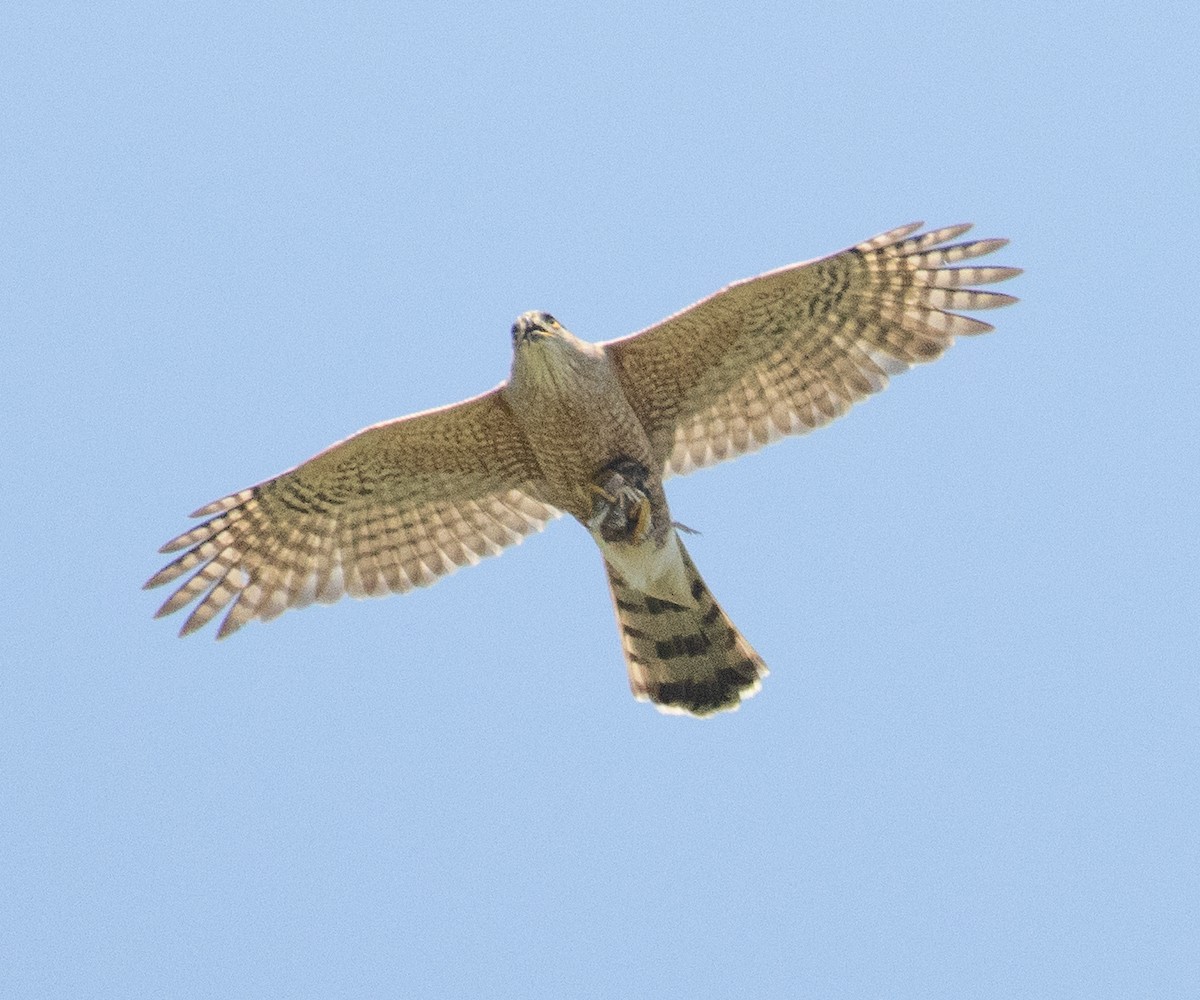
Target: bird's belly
{"type": "Point", "coordinates": [575, 433]}
{"type": "Point", "coordinates": [573, 444]}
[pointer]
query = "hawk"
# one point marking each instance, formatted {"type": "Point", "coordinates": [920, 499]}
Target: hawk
{"type": "Point", "coordinates": [594, 430]}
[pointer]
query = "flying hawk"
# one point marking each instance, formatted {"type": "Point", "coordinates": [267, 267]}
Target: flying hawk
{"type": "Point", "coordinates": [594, 430]}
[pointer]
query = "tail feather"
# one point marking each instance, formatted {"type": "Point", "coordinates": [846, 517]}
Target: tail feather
{"type": "Point", "coordinates": [684, 658]}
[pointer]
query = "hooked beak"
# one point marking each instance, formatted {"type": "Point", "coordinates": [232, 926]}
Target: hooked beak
{"type": "Point", "coordinates": [528, 336]}
{"type": "Point", "coordinates": [529, 328]}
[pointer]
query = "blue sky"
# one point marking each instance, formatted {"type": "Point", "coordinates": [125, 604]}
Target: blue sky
{"type": "Point", "coordinates": [233, 234]}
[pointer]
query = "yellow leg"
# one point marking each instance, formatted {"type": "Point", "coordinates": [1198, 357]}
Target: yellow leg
{"type": "Point", "coordinates": [602, 493]}
{"type": "Point", "coordinates": [642, 527]}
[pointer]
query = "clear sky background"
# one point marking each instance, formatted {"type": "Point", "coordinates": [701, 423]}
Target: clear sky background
{"type": "Point", "coordinates": [234, 233]}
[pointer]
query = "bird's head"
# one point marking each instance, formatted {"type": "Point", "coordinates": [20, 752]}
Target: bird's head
{"type": "Point", "coordinates": [545, 351]}
{"type": "Point", "coordinates": [532, 327]}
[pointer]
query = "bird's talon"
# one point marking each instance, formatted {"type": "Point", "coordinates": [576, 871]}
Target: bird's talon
{"type": "Point", "coordinates": [621, 510]}
{"type": "Point", "coordinates": [600, 493]}
{"type": "Point", "coordinates": [641, 530]}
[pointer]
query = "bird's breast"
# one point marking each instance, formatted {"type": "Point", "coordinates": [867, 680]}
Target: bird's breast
{"type": "Point", "coordinates": [577, 421]}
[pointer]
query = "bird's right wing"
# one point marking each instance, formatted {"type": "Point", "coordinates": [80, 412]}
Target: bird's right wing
{"type": "Point", "coordinates": [792, 349]}
{"type": "Point", "coordinates": [396, 506]}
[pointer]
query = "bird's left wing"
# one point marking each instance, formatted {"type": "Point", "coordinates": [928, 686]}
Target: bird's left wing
{"type": "Point", "coordinates": [792, 349]}
{"type": "Point", "coordinates": [397, 505]}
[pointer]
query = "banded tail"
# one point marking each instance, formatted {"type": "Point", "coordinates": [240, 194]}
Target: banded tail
{"type": "Point", "coordinates": [684, 658]}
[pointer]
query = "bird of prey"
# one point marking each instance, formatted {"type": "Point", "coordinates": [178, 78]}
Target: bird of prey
{"type": "Point", "coordinates": [593, 430]}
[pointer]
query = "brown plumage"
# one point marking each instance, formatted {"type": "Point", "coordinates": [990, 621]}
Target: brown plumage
{"type": "Point", "coordinates": [684, 658]}
{"type": "Point", "coordinates": [403, 503]}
